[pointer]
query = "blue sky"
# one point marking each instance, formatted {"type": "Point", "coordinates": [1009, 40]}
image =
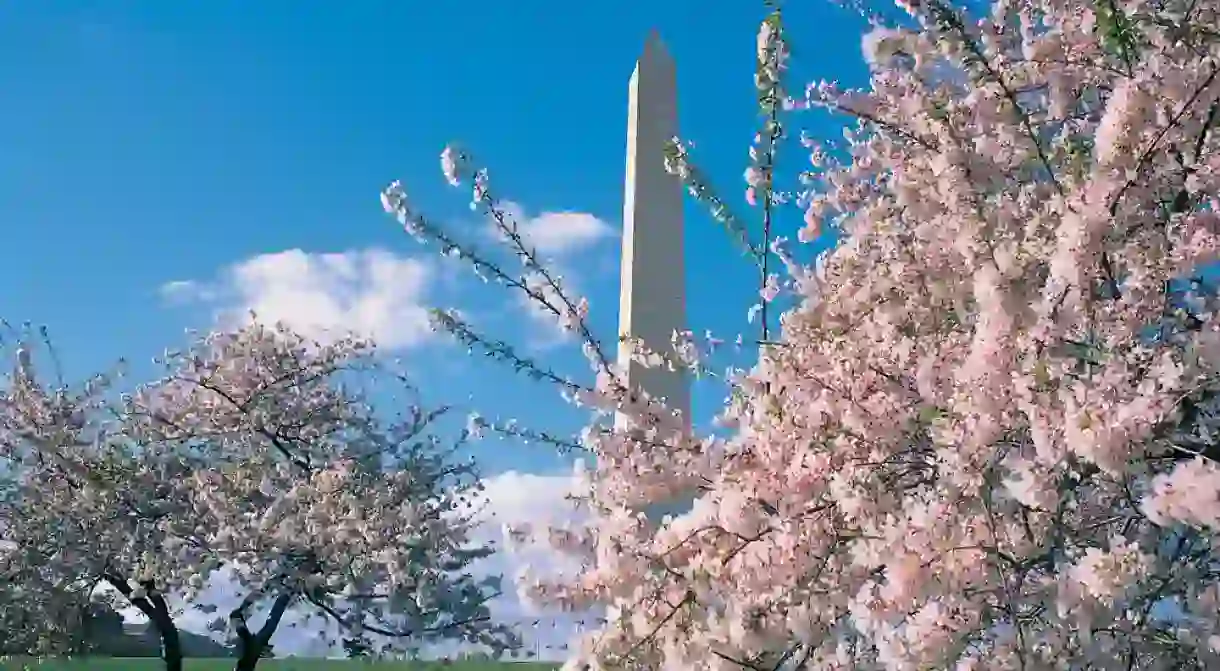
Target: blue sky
{"type": "Point", "coordinates": [143, 143]}
{"type": "Point", "coordinates": [150, 142]}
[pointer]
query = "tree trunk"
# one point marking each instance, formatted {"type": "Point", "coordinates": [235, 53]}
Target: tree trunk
{"type": "Point", "coordinates": [251, 645]}
{"type": "Point", "coordinates": [153, 607]}
{"type": "Point", "coordinates": [246, 662]}
{"type": "Point", "coordinates": [171, 644]}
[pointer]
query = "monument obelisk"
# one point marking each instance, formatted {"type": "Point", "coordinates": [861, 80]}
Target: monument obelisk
{"type": "Point", "coordinates": [652, 293]}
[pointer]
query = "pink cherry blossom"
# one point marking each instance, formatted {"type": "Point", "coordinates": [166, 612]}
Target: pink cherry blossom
{"type": "Point", "coordinates": [985, 438]}
{"type": "Point", "coordinates": [259, 454]}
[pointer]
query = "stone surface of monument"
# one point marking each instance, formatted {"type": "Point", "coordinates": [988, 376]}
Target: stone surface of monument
{"type": "Point", "coordinates": [652, 298]}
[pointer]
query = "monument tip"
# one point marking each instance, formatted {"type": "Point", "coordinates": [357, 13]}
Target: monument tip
{"type": "Point", "coordinates": [654, 46]}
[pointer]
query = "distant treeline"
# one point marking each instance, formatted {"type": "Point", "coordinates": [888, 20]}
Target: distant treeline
{"type": "Point", "coordinates": [103, 634]}
{"type": "Point", "coordinates": [145, 643]}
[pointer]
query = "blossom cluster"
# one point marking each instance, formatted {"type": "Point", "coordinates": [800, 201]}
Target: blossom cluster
{"type": "Point", "coordinates": [257, 452]}
{"type": "Point", "coordinates": [984, 436]}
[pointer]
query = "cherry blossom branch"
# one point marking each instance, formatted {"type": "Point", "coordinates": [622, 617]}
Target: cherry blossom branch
{"type": "Point", "coordinates": [678, 162]}
{"type": "Point", "coordinates": [407, 633]}
{"type": "Point", "coordinates": [501, 351]}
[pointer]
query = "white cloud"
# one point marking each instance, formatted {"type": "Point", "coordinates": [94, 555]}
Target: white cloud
{"type": "Point", "coordinates": [372, 293]}
{"type": "Point", "coordinates": [183, 290]}
{"type": "Point", "coordinates": [515, 498]}
{"type": "Point", "coordinates": [512, 498]}
{"type": "Point", "coordinates": [557, 234]}
{"type": "Point", "coordinates": [563, 233]}
{"type": "Point", "coordinates": [559, 238]}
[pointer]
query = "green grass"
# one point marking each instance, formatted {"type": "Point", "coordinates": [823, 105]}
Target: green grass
{"type": "Point", "coordinates": [146, 664]}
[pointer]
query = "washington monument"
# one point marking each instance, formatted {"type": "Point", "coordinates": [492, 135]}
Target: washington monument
{"type": "Point", "coordinates": [652, 294]}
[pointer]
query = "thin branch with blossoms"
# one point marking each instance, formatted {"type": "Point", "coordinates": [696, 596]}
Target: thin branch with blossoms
{"type": "Point", "coordinates": [678, 163]}
{"type": "Point", "coordinates": [452, 323]}
{"type": "Point", "coordinates": [536, 283]}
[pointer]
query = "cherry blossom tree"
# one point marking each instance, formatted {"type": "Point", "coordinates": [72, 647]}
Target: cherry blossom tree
{"type": "Point", "coordinates": [311, 497]}
{"type": "Point", "coordinates": [32, 616]}
{"type": "Point", "coordinates": [983, 435]}
{"type": "Point", "coordinates": [80, 508]}
{"type": "Point", "coordinates": [41, 619]}
{"type": "Point", "coordinates": [259, 457]}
